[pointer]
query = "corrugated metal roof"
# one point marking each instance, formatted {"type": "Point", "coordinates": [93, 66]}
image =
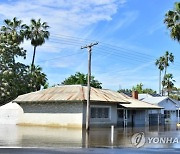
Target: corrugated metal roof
{"type": "Point", "coordinates": [143, 96]}
{"type": "Point", "coordinates": [70, 93]}
{"type": "Point", "coordinates": [134, 103]}
{"type": "Point", "coordinates": [157, 100]}
{"type": "Point", "coordinates": [79, 93]}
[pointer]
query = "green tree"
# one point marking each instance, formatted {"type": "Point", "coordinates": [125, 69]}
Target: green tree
{"type": "Point", "coordinates": [15, 28]}
{"type": "Point", "coordinates": [172, 20]}
{"type": "Point", "coordinates": [37, 32]}
{"type": "Point", "coordinates": [160, 64]}
{"type": "Point", "coordinates": [80, 78]}
{"type": "Point", "coordinates": [149, 91]}
{"type": "Point", "coordinates": [168, 83]}
{"type": "Point", "coordinates": [168, 57]}
{"type": "Point", "coordinates": [139, 88]}
{"type": "Point", "coordinates": [163, 63]}
{"type": "Point", "coordinates": [126, 91]}
{"type": "Point", "coordinates": [175, 93]}
{"type": "Point", "coordinates": [10, 70]}
{"type": "Point", "coordinates": [37, 78]}
{"type": "Point", "coordinates": [14, 76]}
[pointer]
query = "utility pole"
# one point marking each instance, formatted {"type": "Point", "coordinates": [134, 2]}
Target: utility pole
{"type": "Point", "coordinates": [89, 47]}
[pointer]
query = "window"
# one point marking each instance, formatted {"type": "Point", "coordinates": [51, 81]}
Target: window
{"type": "Point", "coordinates": [177, 113]}
{"type": "Point", "coordinates": [167, 113]}
{"type": "Point", "coordinates": [100, 112]}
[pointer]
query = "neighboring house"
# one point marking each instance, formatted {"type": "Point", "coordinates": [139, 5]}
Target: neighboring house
{"type": "Point", "coordinates": [10, 113]}
{"type": "Point", "coordinates": [142, 96]}
{"type": "Point", "coordinates": [170, 107]}
{"type": "Point", "coordinates": [66, 106]}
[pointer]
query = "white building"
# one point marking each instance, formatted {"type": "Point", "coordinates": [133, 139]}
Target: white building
{"type": "Point", "coordinates": [65, 106]}
{"type": "Point", "coordinates": [170, 107]}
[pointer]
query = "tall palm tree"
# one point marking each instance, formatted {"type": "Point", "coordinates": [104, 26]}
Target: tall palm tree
{"type": "Point", "coordinates": [37, 33]}
{"type": "Point", "coordinates": [168, 57]}
{"type": "Point", "coordinates": [172, 20]}
{"type": "Point", "coordinates": [168, 83]}
{"type": "Point", "coordinates": [160, 64]}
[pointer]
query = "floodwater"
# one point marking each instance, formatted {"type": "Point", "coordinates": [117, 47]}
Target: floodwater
{"type": "Point", "coordinates": [35, 136]}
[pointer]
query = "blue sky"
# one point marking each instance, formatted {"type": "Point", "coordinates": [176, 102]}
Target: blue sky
{"type": "Point", "coordinates": [131, 36]}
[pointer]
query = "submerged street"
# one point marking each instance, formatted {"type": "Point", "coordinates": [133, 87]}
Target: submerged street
{"type": "Point", "coordinates": [51, 137]}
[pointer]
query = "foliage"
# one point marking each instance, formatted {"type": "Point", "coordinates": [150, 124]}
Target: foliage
{"type": "Point", "coordinates": [80, 78]}
{"type": "Point", "coordinates": [37, 78]}
{"type": "Point", "coordinates": [149, 91]}
{"type": "Point", "coordinates": [168, 83]}
{"type": "Point", "coordinates": [172, 20]}
{"type": "Point", "coordinates": [126, 91]}
{"type": "Point", "coordinates": [175, 93]}
{"type": "Point", "coordinates": [37, 33]}
{"type": "Point", "coordinates": [15, 77]}
{"type": "Point", "coordinates": [160, 63]}
{"type": "Point", "coordinates": [173, 96]}
{"type": "Point", "coordinates": [168, 57]}
{"type": "Point", "coordinates": [140, 90]}
{"type": "Point", "coordinates": [163, 63]}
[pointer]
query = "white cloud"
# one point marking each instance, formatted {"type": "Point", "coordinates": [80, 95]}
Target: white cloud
{"type": "Point", "coordinates": [127, 19]}
{"type": "Point", "coordinates": [62, 15]}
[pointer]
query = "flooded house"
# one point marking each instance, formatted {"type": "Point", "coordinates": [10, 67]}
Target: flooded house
{"type": "Point", "coordinates": [170, 107]}
{"type": "Point", "coordinates": [65, 106]}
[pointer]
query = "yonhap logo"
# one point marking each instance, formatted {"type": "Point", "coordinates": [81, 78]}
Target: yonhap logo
{"type": "Point", "coordinates": [138, 139]}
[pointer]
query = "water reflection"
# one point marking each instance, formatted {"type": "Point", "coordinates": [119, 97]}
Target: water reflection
{"type": "Point", "coordinates": [33, 136]}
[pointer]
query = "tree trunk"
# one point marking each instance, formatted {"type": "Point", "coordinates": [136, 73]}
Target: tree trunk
{"type": "Point", "coordinates": [165, 71]}
{"type": "Point", "coordinates": [163, 79]}
{"type": "Point", "coordinates": [34, 53]}
{"type": "Point", "coordinates": [160, 82]}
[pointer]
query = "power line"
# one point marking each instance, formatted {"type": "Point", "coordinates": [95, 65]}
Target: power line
{"type": "Point", "coordinates": [59, 57]}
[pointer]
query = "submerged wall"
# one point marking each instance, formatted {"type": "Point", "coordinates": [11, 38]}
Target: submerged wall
{"type": "Point", "coordinates": [67, 114]}
{"type": "Point", "coordinates": [54, 120]}
{"type": "Point", "coordinates": [10, 113]}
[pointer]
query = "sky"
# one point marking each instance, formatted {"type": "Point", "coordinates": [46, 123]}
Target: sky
{"type": "Point", "coordinates": [131, 36]}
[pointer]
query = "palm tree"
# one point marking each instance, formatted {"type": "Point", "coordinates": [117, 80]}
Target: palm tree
{"type": "Point", "coordinates": [168, 83]}
{"type": "Point", "coordinates": [15, 28]}
{"type": "Point", "coordinates": [168, 57]}
{"type": "Point", "coordinates": [37, 33]}
{"type": "Point", "coordinates": [172, 20]}
{"type": "Point", "coordinates": [160, 64]}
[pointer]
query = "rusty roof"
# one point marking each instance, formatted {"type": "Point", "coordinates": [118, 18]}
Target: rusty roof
{"type": "Point", "coordinates": [70, 93]}
{"type": "Point", "coordinates": [79, 93]}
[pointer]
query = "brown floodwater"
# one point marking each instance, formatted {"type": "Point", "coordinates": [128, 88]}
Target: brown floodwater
{"type": "Point", "coordinates": [35, 136]}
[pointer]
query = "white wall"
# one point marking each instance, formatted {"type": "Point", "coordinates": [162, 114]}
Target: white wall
{"type": "Point", "coordinates": [51, 119]}
{"type": "Point", "coordinates": [10, 113]}
{"type": "Point", "coordinates": [169, 105]}
{"type": "Point", "coordinates": [62, 114]}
